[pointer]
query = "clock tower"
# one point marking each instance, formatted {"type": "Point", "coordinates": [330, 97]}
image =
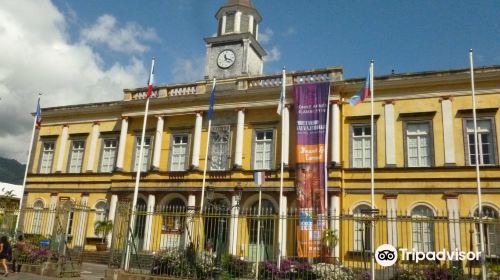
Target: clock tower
{"type": "Point", "coordinates": [235, 51]}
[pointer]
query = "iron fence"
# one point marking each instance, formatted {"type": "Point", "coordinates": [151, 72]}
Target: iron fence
{"type": "Point", "coordinates": [57, 234]}
{"type": "Point", "coordinates": [181, 242]}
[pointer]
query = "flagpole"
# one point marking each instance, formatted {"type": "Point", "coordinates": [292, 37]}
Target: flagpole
{"type": "Point", "coordinates": [138, 173]}
{"type": "Point", "coordinates": [280, 224]}
{"type": "Point", "coordinates": [258, 232]}
{"type": "Point", "coordinates": [21, 199]}
{"type": "Point", "coordinates": [327, 131]}
{"type": "Point", "coordinates": [372, 173]}
{"type": "Point", "coordinates": [206, 158]}
{"type": "Point", "coordinates": [478, 178]}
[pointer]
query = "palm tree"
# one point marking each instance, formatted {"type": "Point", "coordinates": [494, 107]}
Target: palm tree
{"type": "Point", "coordinates": [103, 228]}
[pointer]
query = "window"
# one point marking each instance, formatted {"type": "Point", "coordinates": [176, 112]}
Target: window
{"type": "Point", "coordinates": [245, 23]}
{"type": "Point", "coordinates": [418, 144]}
{"type": "Point", "coordinates": [230, 22]}
{"type": "Point", "coordinates": [108, 155]}
{"type": "Point", "coordinates": [36, 226]}
{"type": "Point", "coordinates": [361, 146]}
{"type": "Point", "coordinates": [362, 225]}
{"type": "Point", "coordinates": [76, 157]}
{"type": "Point", "coordinates": [179, 152]}
{"type": "Point", "coordinates": [173, 219]}
{"type": "Point", "coordinates": [219, 148]}
{"type": "Point", "coordinates": [263, 149]}
{"type": "Point", "coordinates": [491, 232]}
{"type": "Point", "coordinates": [100, 211]}
{"type": "Point", "coordinates": [146, 153]}
{"type": "Point", "coordinates": [422, 228]}
{"type": "Point", "coordinates": [485, 142]}
{"type": "Point", "coordinates": [47, 157]}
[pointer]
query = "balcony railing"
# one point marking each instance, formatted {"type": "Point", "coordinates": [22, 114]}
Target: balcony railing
{"type": "Point", "coordinates": [243, 83]}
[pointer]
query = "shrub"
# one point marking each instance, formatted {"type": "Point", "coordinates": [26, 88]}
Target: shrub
{"type": "Point", "coordinates": [236, 266]}
{"type": "Point", "coordinates": [327, 271]}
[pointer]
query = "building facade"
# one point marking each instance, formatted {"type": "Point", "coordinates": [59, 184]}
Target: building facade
{"type": "Point", "coordinates": [424, 149]}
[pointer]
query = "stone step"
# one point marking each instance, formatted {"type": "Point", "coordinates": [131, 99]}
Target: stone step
{"type": "Point", "coordinates": [96, 257]}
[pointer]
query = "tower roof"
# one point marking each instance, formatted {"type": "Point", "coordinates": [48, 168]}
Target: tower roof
{"type": "Point", "coordinates": [245, 3]}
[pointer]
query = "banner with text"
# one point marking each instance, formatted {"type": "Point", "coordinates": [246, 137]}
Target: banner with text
{"type": "Point", "coordinates": [311, 107]}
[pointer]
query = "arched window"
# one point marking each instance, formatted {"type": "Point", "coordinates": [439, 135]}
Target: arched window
{"type": "Point", "coordinates": [36, 226]}
{"type": "Point", "coordinates": [173, 218]}
{"type": "Point", "coordinates": [422, 228]}
{"type": "Point", "coordinates": [491, 231]}
{"type": "Point", "coordinates": [362, 228]}
{"type": "Point", "coordinates": [101, 208]}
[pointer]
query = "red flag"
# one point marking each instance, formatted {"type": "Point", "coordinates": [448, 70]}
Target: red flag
{"type": "Point", "coordinates": [151, 78]}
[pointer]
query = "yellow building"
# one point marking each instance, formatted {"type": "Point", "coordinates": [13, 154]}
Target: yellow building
{"type": "Point", "coordinates": [424, 159]}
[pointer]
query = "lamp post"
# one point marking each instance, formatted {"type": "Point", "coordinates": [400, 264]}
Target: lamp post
{"type": "Point", "coordinates": [221, 208]}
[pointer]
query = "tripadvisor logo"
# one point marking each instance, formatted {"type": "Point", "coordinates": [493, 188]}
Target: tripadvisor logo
{"type": "Point", "coordinates": [386, 255]}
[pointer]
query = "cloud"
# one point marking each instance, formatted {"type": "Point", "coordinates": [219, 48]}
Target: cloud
{"type": "Point", "coordinates": [41, 58]}
{"type": "Point", "coordinates": [186, 69]}
{"type": "Point", "coordinates": [127, 39]}
{"type": "Point", "coordinates": [273, 55]}
{"type": "Point", "coordinates": [265, 37]}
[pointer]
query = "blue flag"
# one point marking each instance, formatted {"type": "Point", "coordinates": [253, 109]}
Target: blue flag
{"type": "Point", "coordinates": [211, 104]}
{"type": "Point", "coordinates": [38, 114]}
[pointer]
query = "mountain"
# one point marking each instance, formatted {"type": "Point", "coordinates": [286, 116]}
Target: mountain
{"type": "Point", "coordinates": [11, 171]}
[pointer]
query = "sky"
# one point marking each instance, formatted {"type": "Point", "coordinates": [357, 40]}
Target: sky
{"type": "Point", "coordinates": [84, 51]}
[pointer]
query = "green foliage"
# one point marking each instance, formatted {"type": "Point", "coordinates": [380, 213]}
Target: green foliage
{"type": "Point", "coordinates": [103, 228]}
{"type": "Point", "coordinates": [331, 238]}
{"type": "Point", "coordinates": [235, 266]}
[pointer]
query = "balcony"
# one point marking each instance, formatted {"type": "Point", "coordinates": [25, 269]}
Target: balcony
{"type": "Point", "coordinates": [238, 84]}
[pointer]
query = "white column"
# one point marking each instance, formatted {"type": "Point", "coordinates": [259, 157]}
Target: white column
{"type": "Point", "coordinates": [82, 222]}
{"type": "Point", "coordinates": [392, 233]}
{"type": "Point", "coordinates": [286, 134]}
{"type": "Point", "coordinates": [223, 29]}
{"type": "Point", "coordinates": [52, 213]}
{"type": "Point", "coordinates": [111, 215]}
{"type": "Point", "coordinates": [256, 32]}
{"type": "Point", "coordinates": [122, 145]}
{"type": "Point", "coordinates": [149, 223]}
{"type": "Point", "coordinates": [282, 234]}
{"type": "Point", "coordinates": [62, 148]}
{"type": "Point", "coordinates": [233, 227]}
{"type": "Point", "coordinates": [449, 144]}
{"type": "Point", "coordinates": [250, 23]}
{"type": "Point", "coordinates": [238, 154]}
{"type": "Point", "coordinates": [453, 221]}
{"type": "Point", "coordinates": [335, 128]}
{"type": "Point", "coordinates": [158, 141]}
{"type": "Point", "coordinates": [195, 162]}
{"type": "Point", "coordinates": [191, 206]}
{"type": "Point", "coordinates": [93, 147]}
{"type": "Point", "coordinates": [390, 144]}
{"type": "Point", "coordinates": [237, 22]}
{"type": "Point", "coordinates": [335, 221]}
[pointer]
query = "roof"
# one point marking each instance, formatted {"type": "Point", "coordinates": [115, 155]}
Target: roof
{"type": "Point", "coordinates": [246, 3]}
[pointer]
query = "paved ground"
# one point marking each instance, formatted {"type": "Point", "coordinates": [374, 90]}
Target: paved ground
{"type": "Point", "coordinates": [89, 272]}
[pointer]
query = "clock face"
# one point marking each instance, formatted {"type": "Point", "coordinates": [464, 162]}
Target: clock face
{"type": "Point", "coordinates": [226, 59]}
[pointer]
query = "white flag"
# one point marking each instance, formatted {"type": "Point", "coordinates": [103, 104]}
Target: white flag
{"type": "Point", "coordinates": [281, 102]}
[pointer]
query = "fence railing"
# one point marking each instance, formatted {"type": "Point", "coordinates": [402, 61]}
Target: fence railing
{"type": "Point", "coordinates": [57, 234]}
{"type": "Point", "coordinates": [180, 242]}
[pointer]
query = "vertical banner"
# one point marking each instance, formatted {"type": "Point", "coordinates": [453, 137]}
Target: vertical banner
{"type": "Point", "coordinates": [311, 108]}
